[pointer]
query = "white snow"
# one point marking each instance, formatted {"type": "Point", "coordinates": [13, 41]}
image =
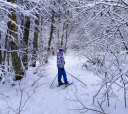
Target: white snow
{"type": "Point", "coordinates": [57, 100]}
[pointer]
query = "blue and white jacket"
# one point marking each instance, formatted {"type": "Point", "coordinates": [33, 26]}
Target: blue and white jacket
{"type": "Point", "coordinates": [60, 60]}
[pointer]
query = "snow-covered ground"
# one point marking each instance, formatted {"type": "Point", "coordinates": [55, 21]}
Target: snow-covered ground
{"type": "Point", "coordinates": [45, 100]}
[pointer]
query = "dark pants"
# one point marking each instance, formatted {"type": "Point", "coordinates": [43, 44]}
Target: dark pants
{"type": "Point", "coordinates": [62, 73]}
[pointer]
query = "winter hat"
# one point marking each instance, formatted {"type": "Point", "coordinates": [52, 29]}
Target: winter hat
{"type": "Point", "coordinates": [61, 50]}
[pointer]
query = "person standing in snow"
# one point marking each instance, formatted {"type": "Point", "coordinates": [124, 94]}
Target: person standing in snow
{"type": "Point", "coordinates": [61, 70]}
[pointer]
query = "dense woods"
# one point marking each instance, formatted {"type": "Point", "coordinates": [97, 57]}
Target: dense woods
{"type": "Point", "coordinates": [34, 30]}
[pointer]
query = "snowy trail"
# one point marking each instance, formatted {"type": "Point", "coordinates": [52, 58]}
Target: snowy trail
{"type": "Point", "coordinates": [56, 100]}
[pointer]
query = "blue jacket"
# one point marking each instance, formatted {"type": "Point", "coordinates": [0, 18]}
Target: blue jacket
{"type": "Point", "coordinates": [60, 60]}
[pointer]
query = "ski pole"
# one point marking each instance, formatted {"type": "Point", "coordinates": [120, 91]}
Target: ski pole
{"type": "Point", "coordinates": [76, 78]}
{"type": "Point", "coordinates": [53, 80]}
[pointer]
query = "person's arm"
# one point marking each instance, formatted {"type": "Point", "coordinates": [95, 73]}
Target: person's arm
{"type": "Point", "coordinates": [62, 63]}
{"type": "Point", "coordinates": [58, 60]}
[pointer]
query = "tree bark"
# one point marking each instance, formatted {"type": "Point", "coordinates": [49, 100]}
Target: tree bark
{"type": "Point", "coordinates": [66, 37]}
{"type": "Point", "coordinates": [62, 36]}
{"type": "Point", "coordinates": [25, 40]}
{"type": "Point", "coordinates": [35, 42]}
{"type": "Point", "coordinates": [0, 51]}
{"type": "Point", "coordinates": [125, 45]}
{"type": "Point", "coordinates": [12, 29]}
{"type": "Point", "coordinates": [52, 30]}
{"type": "Point", "coordinates": [51, 36]}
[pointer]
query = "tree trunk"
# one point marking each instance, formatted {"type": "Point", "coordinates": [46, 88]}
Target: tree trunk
{"type": "Point", "coordinates": [25, 40]}
{"type": "Point", "coordinates": [66, 37]}
{"type": "Point", "coordinates": [51, 33]}
{"type": "Point", "coordinates": [62, 36]}
{"type": "Point", "coordinates": [12, 29]}
{"type": "Point", "coordinates": [51, 36]}
{"type": "Point", "coordinates": [0, 51]}
{"type": "Point", "coordinates": [35, 42]}
{"type": "Point", "coordinates": [125, 45]}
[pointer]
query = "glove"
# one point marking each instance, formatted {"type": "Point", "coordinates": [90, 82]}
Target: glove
{"type": "Point", "coordinates": [62, 69]}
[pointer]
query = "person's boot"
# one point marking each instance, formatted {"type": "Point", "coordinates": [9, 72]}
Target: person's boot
{"type": "Point", "coordinates": [60, 83]}
{"type": "Point", "coordinates": [66, 83]}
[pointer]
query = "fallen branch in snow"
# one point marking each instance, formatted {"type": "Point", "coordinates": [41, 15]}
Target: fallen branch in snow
{"type": "Point", "coordinates": [22, 92]}
{"type": "Point", "coordinates": [88, 108]}
{"type": "Point", "coordinates": [124, 2]}
{"type": "Point", "coordinates": [37, 80]}
{"type": "Point", "coordinates": [24, 97]}
{"type": "Point", "coordinates": [8, 106]}
{"type": "Point", "coordinates": [84, 107]}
